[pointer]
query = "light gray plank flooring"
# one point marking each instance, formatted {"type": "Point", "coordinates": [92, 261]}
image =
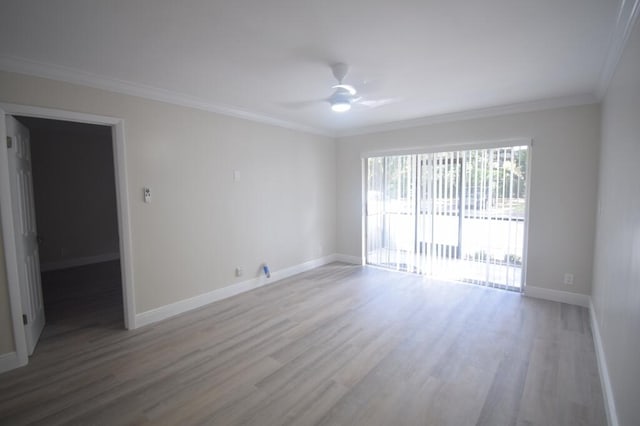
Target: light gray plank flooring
{"type": "Point", "coordinates": [339, 345]}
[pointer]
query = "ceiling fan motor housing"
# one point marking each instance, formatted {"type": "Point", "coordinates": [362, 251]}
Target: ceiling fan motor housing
{"type": "Point", "coordinates": [341, 96]}
{"type": "Point", "coordinates": [340, 71]}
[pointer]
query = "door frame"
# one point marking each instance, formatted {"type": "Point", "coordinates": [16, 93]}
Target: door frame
{"type": "Point", "coordinates": [8, 229]}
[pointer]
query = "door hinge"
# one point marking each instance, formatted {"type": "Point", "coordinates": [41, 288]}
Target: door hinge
{"type": "Point", "coordinates": [24, 319]}
{"type": "Point", "coordinates": [9, 142]}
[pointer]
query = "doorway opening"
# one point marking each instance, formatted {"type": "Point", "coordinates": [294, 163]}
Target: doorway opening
{"type": "Point", "coordinates": [19, 228]}
{"type": "Point", "coordinates": [454, 215]}
{"type": "Point", "coordinates": [74, 202]}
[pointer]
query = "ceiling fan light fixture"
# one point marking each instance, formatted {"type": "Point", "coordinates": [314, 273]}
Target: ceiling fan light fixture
{"type": "Point", "coordinates": [340, 106]}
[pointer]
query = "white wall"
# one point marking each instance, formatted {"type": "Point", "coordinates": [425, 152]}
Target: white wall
{"type": "Point", "coordinates": [74, 191]}
{"type": "Point", "coordinates": [563, 184]}
{"type": "Point", "coordinates": [616, 290]}
{"type": "Point", "coordinates": [201, 224]}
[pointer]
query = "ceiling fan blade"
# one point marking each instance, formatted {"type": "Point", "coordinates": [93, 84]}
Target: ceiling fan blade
{"type": "Point", "coordinates": [349, 88]}
{"type": "Point", "coordinates": [375, 103]}
{"type": "Point", "coordinates": [368, 87]}
{"type": "Point", "coordinates": [302, 104]}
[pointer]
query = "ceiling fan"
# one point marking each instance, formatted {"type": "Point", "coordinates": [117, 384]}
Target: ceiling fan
{"type": "Point", "coordinates": [346, 95]}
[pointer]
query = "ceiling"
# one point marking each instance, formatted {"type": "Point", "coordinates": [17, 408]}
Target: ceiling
{"type": "Point", "coordinates": [262, 58]}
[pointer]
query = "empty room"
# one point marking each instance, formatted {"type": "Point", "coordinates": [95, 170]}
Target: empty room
{"type": "Point", "coordinates": [320, 213]}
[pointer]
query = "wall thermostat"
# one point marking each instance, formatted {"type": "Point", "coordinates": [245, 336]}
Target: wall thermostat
{"type": "Point", "coordinates": [147, 195]}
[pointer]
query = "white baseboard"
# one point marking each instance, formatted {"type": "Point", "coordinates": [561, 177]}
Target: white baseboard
{"type": "Point", "coordinates": [557, 296]}
{"type": "Point", "coordinates": [78, 261]}
{"type": "Point", "coordinates": [607, 390]}
{"type": "Point", "coordinates": [8, 361]}
{"type": "Point", "coordinates": [345, 258]}
{"type": "Point", "coordinates": [173, 309]}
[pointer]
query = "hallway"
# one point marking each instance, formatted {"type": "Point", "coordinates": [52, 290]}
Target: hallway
{"type": "Point", "coordinates": [79, 298]}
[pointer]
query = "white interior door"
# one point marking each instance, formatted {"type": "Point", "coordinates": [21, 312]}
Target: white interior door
{"type": "Point", "coordinates": [21, 180]}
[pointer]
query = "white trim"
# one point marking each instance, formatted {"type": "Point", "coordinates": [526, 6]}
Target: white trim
{"type": "Point", "coordinates": [124, 224]}
{"type": "Point", "coordinates": [605, 380]}
{"type": "Point", "coordinates": [9, 243]}
{"type": "Point", "coordinates": [557, 296]}
{"type": "Point", "coordinates": [57, 114]}
{"type": "Point", "coordinates": [364, 206]}
{"type": "Point", "coordinates": [297, 269]}
{"type": "Point", "coordinates": [627, 16]}
{"type": "Point", "coordinates": [539, 105]}
{"type": "Point", "coordinates": [527, 220]}
{"type": "Point", "coordinates": [78, 261]}
{"type": "Point", "coordinates": [346, 258]}
{"type": "Point", "coordinates": [446, 147]}
{"type": "Point", "coordinates": [122, 200]}
{"type": "Point", "coordinates": [83, 78]}
{"type": "Point", "coordinates": [8, 361]}
{"type": "Point", "coordinates": [182, 306]}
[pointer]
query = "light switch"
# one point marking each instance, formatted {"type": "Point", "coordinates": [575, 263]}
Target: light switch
{"type": "Point", "coordinates": [147, 195]}
{"type": "Point", "coordinates": [236, 175]}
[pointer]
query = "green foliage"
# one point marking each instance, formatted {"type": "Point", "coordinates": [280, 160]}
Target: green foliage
{"type": "Point", "coordinates": [485, 178]}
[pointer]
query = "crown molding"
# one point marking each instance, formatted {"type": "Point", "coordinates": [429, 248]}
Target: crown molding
{"type": "Point", "coordinates": [627, 16]}
{"type": "Point", "coordinates": [83, 78]}
{"type": "Point", "coordinates": [538, 105]}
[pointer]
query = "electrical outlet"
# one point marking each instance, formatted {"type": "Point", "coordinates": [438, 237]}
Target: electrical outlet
{"type": "Point", "coordinates": [238, 271]}
{"type": "Point", "coordinates": [568, 279]}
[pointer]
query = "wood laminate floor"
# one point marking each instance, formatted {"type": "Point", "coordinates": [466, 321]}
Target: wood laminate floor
{"type": "Point", "coordinates": [339, 345]}
{"type": "Point", "coordinates": [85, 297]}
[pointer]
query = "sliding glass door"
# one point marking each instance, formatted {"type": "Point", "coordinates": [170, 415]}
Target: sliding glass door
{"type": "Point", "coordinates": [391, 211]}
{"type": "Point", "coordinates": [457, 215]}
